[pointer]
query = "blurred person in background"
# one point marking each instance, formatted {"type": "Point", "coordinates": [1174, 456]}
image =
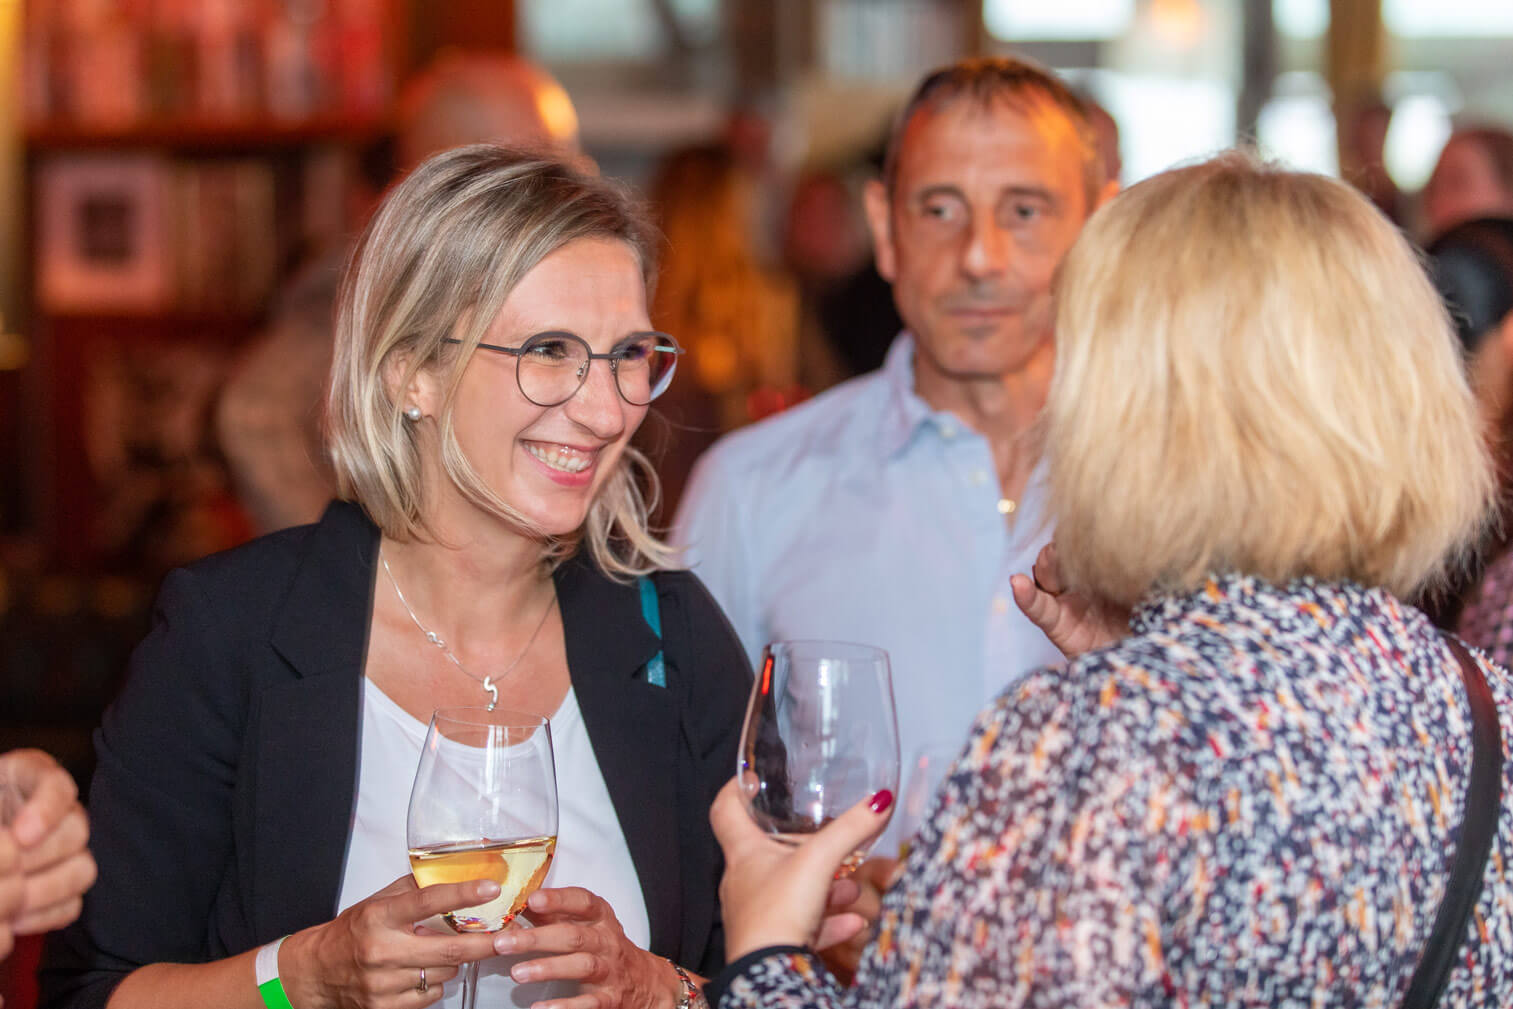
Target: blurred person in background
{"type": "Point", "coordinates": [1472, 264]}
{"type": "Point", "coordinates": [739, 319]}
{"type": "Point", "coordinates": [1473, 178]}
{"type": "Point", "coordinates": [45, 865]}
{"type": "Point", "coordinates": [493, 357]}
{"type": "Point", "coordinates": [825, 245]}
{"type": "Point", "coordinates": [894, 508]}
{"type": "Point", "coordinates": [268, 416]}
{"type": "Point", "coordinates": [1363, 150]}
{"type": "Point", "coordinates": [849, 316]}
{"type": "Point", "coordinates": [1254, 791]}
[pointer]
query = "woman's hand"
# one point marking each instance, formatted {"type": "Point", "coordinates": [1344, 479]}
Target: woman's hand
{"type": "Point", "coordinates": [45, 848]}
{"type": "Point", "coordinates": [580, 939]}
{"type": "Point", "coordinates": [775, 894]}
{"type": "Point", "coordinates": [372, 955]}
{"type": "Point", "coordinates": [1074, 622]}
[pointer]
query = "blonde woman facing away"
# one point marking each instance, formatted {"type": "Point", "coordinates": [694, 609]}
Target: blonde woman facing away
{"type": "Point", "coordinates": [493, 358]}
{"type": "Point", "coordinates": [1260, 441]}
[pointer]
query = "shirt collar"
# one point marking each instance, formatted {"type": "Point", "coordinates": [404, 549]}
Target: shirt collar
{"type": "Point", "coordinates": [906, 412]}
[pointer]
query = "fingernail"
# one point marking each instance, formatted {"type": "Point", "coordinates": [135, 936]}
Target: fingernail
{"type": "Point", "coordinates": [881, 801]}
{"type": "Point", "coordinates": [522, 972]}
{"type": "Point", "coordinates": [504, 942]}
{"type": "Point", "coordinates": [488, 889]}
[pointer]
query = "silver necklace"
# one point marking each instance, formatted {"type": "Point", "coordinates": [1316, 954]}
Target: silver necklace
{"type": "Point", "coordinates": [487, 681]}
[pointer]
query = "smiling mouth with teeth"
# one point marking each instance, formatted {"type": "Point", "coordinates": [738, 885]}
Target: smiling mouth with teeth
{"type": "Point", "coordinates": [562, 457]}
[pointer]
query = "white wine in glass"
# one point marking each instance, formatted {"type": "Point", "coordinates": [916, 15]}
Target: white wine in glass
{"type": "Point", "coordinates": [484, 806]}
{"type": "Point", "coordinates": [820, 736]}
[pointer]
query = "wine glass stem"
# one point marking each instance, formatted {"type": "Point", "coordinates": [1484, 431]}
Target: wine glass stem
{"type": "Point", "coordinates": [470, 985]}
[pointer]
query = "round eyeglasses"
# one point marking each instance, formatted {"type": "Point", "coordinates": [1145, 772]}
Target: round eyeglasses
{"type": "Point", "coordinates": [551, 367]}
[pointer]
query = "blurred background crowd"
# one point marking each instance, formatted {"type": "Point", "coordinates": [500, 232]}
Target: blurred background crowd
{"type": "Point", "coordinates": [185, 177]}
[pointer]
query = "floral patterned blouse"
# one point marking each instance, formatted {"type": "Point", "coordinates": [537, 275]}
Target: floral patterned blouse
{"type": "Point", "coordinates": [1251, 801]}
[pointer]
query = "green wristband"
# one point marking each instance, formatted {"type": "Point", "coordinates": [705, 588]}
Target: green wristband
{"type": "Point", "coordinates": [268, 984]}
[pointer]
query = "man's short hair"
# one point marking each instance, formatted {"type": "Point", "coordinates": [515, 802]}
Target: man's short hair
{"type": "Point", "coordinates": [987, 80]}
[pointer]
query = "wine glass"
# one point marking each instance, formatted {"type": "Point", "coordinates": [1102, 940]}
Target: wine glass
{"type": "Point", "coordinates": [820, 736]}
{"type": "Point", "coordinates": [484, 806]}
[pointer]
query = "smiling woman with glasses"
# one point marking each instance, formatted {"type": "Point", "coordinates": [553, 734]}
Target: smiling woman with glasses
{"type": "Point", "coordinates": [493, 358]}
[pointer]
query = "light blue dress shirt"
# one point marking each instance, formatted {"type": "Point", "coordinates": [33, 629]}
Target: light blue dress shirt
{"type": "Point", "coordinates": [863, 515]}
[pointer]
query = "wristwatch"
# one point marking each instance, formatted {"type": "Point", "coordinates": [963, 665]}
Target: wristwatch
{"type": "Point", "coordinates": [693, 995]}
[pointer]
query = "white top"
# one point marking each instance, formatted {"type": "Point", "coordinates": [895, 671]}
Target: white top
{"type": "Point", "coordinates": [591, 849]}
{"type": "Point", "coordinates": [865, 515]}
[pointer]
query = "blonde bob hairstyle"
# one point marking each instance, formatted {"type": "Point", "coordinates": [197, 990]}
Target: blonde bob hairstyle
{"type": "Point", "coordinates": [437, 261]}
{"type": "Point", "coordinates": [1254, 375]}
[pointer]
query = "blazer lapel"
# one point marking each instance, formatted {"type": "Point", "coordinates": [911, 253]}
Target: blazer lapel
{"type": "Point", "coordinates": [306, 771]}
{"type": "Point", "coordinates": [633, 727]}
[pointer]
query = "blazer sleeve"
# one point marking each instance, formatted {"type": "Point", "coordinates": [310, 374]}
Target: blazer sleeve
{"type": "Point", "coordinates": [718, 680]}
{"type": "Point", "coordinates": [160, 809]}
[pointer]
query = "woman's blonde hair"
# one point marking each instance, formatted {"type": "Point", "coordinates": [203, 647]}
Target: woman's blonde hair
{"type": "Point", "coordinates": [437, 262]}
{"type": "Point", "coordinates": [1255, 375]}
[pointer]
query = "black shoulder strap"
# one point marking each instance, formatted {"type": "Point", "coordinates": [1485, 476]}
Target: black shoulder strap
{"type": "Point", "coordinates": [1478, 828]}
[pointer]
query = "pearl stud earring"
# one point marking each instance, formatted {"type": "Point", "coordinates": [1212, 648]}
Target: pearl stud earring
{"type": "Point", "coordinates": [412, 413]}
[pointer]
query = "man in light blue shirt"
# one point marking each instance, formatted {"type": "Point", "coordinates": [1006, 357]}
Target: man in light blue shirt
{"type": "Point", "coordinates": [893, 509]}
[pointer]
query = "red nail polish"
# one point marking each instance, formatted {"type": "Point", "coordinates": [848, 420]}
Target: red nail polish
{"type": "Point", "coordinates": [881, 801]}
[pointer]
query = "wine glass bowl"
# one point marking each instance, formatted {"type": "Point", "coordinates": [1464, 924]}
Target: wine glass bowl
{"type": "Point", "coordinates": [820, 736]}
{"type": "Point", "coordinates": [484, 806]}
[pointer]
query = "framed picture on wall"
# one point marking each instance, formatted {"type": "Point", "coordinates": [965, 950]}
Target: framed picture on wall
{"type": "Point", "coordinates": [101, 233]}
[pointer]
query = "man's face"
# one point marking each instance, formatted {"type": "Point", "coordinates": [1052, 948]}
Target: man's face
{"type": "Point", "coordinates": [986, 201]}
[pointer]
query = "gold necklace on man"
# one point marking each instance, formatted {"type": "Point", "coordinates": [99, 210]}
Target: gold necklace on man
{"type": "Point", "coordinates": [487, 682]}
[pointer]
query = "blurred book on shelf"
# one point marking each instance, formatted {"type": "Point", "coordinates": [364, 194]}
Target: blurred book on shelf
{"type": "Point", "coordinates": [116, 64]}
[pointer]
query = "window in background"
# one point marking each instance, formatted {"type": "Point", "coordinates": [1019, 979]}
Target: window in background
{"type": "Point", "coordinates": [1296, 126]}
{"type": "Point", "coordinates": [1163, 120]}
{"type": "Point", "coordinates": [889, 41]}
{"type": "Point", "coordinates": [1011, 20]}
{"type": "Point", "coordinates": [1420, 126]}
{"type": "Point", "coordinates": [572, 31]}
{"type": "Point", "coordinates": [1301, 19]}
{"type": "Point", "coordinates": [1448, 18]}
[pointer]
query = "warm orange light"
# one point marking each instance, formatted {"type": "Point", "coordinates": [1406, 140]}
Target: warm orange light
{"type": "Point", "coordinates": [1177, 23]}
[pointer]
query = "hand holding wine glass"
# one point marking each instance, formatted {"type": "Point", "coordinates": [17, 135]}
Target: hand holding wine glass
{"type": "Point", "coordinates": [484, 806]}
{"type": "Point", "coordinates": [776, 893]}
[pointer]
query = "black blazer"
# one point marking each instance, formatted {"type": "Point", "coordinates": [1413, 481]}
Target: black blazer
{"type": "Point", "coordinates": [227, 771]}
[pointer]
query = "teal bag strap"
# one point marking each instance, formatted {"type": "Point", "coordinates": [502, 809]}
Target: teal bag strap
{"type": "Point", "coordinates": [651, 611]}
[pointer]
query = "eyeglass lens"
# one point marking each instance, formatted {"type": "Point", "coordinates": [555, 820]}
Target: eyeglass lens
{"type": "Point", "coordinates": [553, 366]}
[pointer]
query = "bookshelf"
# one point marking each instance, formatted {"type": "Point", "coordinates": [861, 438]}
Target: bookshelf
{"type": "Point", "coordinates": [181, 158]}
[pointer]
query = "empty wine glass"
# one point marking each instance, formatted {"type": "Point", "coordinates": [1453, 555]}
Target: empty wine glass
{"type": "Point", "coordinates": [820, 736]}
{"type": "Point", "coordinates": [484, 806]}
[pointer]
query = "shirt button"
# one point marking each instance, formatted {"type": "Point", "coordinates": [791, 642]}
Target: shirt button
{"type": "Point", "coordinates": [1000, 605]}
{"type": "Point", "coordinates": [1007, 506]}
{"type": "Point", "coordinates": [979, 477]}
{"type": "Point", "coordinates": [948, 431]}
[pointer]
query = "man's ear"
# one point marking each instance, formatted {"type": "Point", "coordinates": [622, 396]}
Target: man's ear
{"type": "Point", "coordinates": [880, 222]}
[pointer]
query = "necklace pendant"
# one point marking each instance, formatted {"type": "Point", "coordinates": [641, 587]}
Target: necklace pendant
{"type": "Point", "coordinates": [488, 684]}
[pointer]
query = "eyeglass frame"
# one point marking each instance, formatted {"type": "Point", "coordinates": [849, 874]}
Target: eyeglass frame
{"type": "Point", "coordinates": [614, 357]}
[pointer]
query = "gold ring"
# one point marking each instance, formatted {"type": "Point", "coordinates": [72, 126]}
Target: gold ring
{"type": "Point", "coordinates": [423, 986]}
